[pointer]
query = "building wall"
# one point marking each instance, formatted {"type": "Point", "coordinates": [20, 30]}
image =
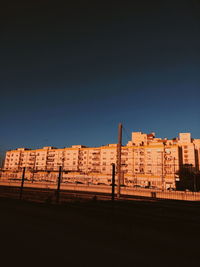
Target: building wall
{"type": "Point", "coordinates": [144, 159]}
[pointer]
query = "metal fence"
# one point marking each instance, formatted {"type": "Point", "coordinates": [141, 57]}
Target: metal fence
{"type": "Point", "coordinates": [90, 189]}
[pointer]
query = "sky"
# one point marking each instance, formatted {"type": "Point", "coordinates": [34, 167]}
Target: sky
{"type": "Point", "coordinates": [71, 71]}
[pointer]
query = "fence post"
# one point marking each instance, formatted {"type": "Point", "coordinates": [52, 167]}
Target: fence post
{"type": "Point", "coordinates": [113, 181]}
{"type": "Point", "coordinates": [22, 184]}
{"type": "Point", "coordinates": [58, 186]}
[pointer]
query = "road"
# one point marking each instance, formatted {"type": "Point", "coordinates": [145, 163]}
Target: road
{"type": "Point", "coordinates": [97, 233]}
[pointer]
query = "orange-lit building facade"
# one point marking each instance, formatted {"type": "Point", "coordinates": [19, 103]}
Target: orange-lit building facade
{"type": "Point", "coordinates": [146, 160]}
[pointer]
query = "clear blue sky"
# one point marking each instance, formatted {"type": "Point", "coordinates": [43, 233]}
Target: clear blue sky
{"type": "Point", "coordinates": [69, 74]}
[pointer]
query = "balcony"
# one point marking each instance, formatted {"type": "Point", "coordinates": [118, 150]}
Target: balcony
{"type": "Point", "coordinates": [50, 160]}
{"type": "Point", "coordinates": [50, 155]}
{"type": "Point", "coordinates": [124, 153]}
{"type": "Point", "coordinates": [50, 164]}
{"type": "Point", "coordinates": [96, 158]}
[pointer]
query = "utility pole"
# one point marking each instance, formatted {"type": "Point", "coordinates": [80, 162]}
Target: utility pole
{"type": "Point", "coordinates": [113, 181]}
{"type": "Point", "coordinates": [119, 148]}
{"type": "Point", "coordinates": [22, 184]}
{"type": "Point", "coordinates": [58, 186]}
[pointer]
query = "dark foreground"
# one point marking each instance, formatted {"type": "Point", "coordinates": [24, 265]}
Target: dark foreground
{"type": "Point", "coordinates": [98, 234]}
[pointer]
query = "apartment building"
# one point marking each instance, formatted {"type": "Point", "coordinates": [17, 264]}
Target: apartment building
{"type": "Point", "coordinates": [146, 160]}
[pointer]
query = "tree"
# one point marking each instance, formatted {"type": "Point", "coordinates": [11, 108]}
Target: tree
{"type": "Point", "coordinates": [189, 178]}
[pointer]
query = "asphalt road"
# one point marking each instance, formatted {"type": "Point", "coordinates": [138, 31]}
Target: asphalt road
{"type": "Point", "coordinates": [99, 234]}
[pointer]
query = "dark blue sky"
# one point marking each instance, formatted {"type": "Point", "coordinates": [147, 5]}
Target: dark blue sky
{"type": "Point", "coordinates": [70, 73]}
